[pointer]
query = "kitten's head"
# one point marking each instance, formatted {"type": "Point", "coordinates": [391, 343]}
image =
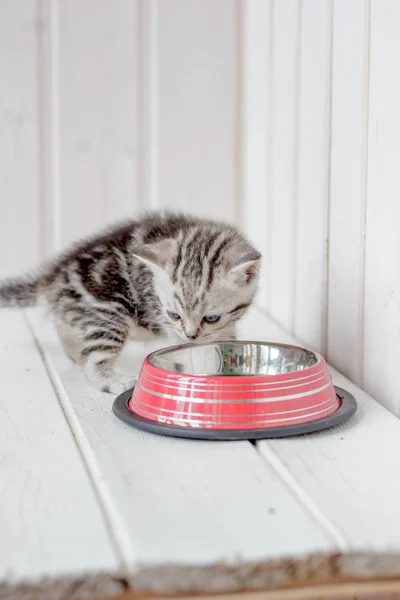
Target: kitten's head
{"type": "Point", "coordinates": [205, 279]}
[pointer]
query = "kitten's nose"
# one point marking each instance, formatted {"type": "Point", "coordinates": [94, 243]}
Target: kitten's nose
{"type": "Point", "coordinates": [191, 333]}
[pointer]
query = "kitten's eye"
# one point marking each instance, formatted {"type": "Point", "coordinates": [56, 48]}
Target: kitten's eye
{"type": "Point", "coordinates": [212, 318]}
{"type": "Point", "coordinates": [173, 315]}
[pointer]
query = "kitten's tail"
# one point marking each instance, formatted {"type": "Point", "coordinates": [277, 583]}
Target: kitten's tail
{"type": "Point", "coordinates": [19, 292]}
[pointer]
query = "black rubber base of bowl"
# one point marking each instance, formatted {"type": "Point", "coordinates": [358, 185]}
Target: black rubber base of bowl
{"type": "Point", "coordinates": [346, 410]}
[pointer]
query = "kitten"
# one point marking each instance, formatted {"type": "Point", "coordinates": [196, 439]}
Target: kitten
{"type": "Point", "coordinates": [190, 278]}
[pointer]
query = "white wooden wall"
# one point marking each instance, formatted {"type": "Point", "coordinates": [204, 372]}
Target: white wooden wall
{"type": "Point", "coordinates": [281, 115]}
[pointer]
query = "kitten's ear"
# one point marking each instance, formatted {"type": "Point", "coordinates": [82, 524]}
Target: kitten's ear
{"type": "Point", "coordinates": [246, 269]}
{"type": "Point", "coordinates": [158, 254]}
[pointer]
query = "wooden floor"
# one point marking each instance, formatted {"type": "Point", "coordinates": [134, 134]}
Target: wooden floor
{"type": "Point", "coordinates": [90, 507]}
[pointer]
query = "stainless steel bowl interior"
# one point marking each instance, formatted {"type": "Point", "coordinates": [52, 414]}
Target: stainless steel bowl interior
{"type": "Point", "coordinates": [233, 358]}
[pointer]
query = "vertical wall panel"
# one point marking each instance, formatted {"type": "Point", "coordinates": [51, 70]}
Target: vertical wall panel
{"type": "Point", "coordinates": [19, 162]}
{"type": "Point", "coordinates": [197, 106]}
{"type": "Point", "coordinates": [284, 94]}
{"type": "Point", "coordinates": [382, 267]}
{"type": "Point", "coordinates": [48, 123]}
{"type": "Point", "coordinates": [313, 174]}
{"type": "Point", "coordinates": [98, 130]}
{"type": "Point", "coordinates": [255, 167]}
{"type": "Point", "coordinates": [348, 185]}
{"type": "Point", "coordinates": [148, 33]}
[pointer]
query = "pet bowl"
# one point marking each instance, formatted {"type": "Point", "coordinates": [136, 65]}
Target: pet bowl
{"type": "Point", "coordinates": [234, 390]}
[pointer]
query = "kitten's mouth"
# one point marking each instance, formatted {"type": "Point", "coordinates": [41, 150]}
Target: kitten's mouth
{"type": "Point", "coordinates": [217, 336]}
{"type": "Point", "coordinates": [188, 340]}
{"type": "Point", "coordinates": [212, 337]}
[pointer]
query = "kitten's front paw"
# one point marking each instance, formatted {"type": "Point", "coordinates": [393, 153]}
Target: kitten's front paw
{"type": "Point", "coordinates": [118, 384]}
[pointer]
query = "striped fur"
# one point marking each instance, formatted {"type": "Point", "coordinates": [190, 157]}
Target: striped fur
{"type": "Point", "coordinates": [132, 278]}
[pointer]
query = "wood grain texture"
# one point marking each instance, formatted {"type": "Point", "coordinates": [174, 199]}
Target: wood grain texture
{"type": "Point", "coordinates": [331, 472]}
{"type": "Point", "coordinates": [197, 50]}
{"type": "Point", "coordinates": [313, 175]}
{"type": "Point", "coordinates": [349, 122]}
{"type": "Point", "coordinates": [284, 159]}
{"type": "Point", "coordinates": [99, 142]}
{"type": "Point", "coordinates": [20, 226]}
{"type": "Point", "coordinates": [53, 535]}
{"type": "Point", "coordinates": [188, 516]}
{"type": "Point", "coordinates": [381, 374]}
{"type": "Point", "coordinates": [256, 35]}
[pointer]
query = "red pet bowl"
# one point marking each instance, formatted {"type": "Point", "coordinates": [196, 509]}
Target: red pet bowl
{"type": "Point", "coordinates": [234, 390]}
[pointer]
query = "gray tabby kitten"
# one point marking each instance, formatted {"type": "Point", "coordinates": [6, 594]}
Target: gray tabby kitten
{"type": "Point", "coordinates": [174, 274]}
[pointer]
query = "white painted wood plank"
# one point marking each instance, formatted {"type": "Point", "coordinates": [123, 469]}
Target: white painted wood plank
{"type": "Point", "coordinates": [256, 34]}
{"type": "Point", "coordinates": [48, 115]}
{"type": "Point", "coordinates": [196, 513]}
{"type": "Point", "coordinates": [381, 374]}
{"type": "Point", "coordinates": [284, 160]}
{"type": "Point", "coordinates": [52, 530]}
{"type": "Point", "coordinates": [99, 114]}
{"type": "Point", "coordinates": [345, 475]}
{"type": "Point", "coordinates": [197, 106]}
{"type": "Point", "coordinates": [19, 158]}
{"type": "Point", "coordinates": [348, 185]}
{"type": "Point", "coordinates": [312, 198]}
{"type": "Point", "coordinates": [148, 84]}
